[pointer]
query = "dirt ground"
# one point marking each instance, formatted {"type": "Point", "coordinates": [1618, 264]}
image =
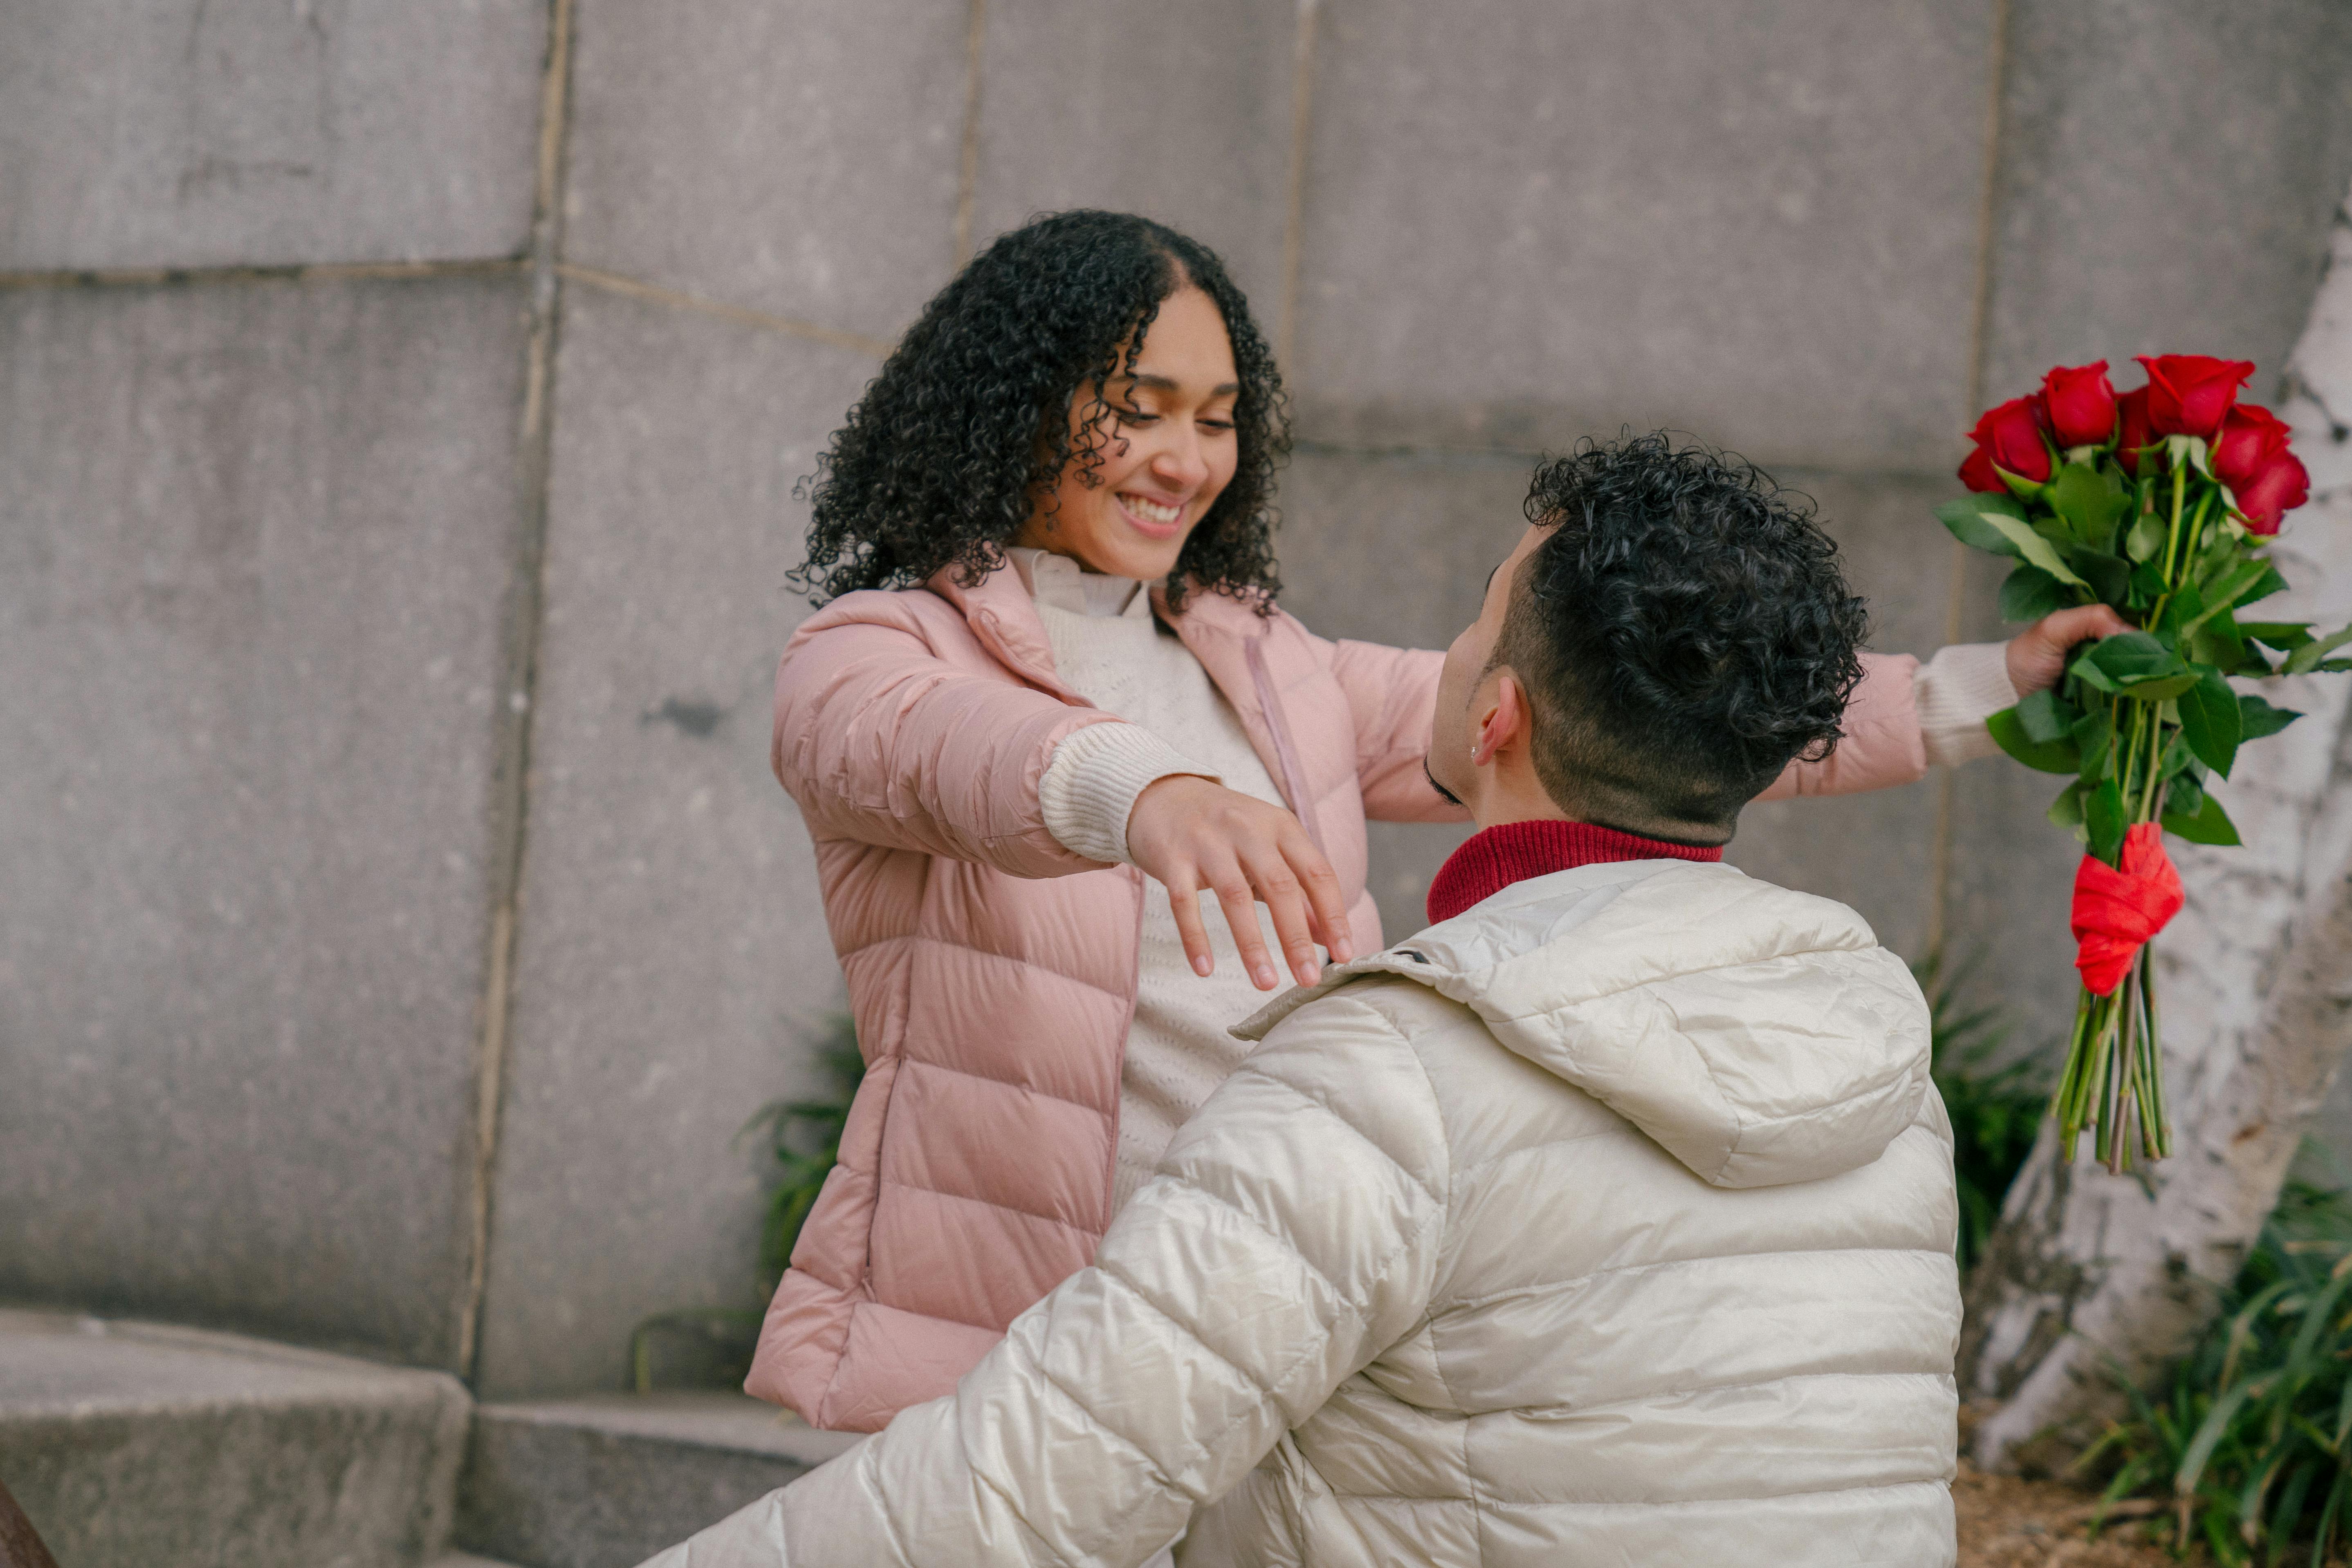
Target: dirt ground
{"type": "Point", "coordinates": [2008, 1524]}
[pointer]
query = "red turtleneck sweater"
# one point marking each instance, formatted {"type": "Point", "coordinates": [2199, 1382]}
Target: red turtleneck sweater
{"type": "Point", "coordinates": [1511, 852]}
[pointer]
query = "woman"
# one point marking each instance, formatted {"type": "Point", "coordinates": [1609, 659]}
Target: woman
{"type": "Point", "coordinates": [1049, 700]}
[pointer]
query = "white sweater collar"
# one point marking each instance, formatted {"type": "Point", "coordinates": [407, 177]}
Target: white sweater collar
{"type": "Point", "coordinates": [1061, 583]}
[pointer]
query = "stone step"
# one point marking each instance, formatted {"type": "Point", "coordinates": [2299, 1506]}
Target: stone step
{"type": "Point", "coordinates": [138, 1446]}
{"type": "Point", "coordinates": [607, 1481]}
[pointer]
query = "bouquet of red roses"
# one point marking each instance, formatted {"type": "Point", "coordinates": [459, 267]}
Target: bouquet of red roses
{"type": "Point", "coordinates": [2161, 503]}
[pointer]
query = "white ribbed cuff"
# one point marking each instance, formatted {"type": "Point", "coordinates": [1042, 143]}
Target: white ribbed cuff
{"type": "Point", "coordinates": [1955, 692]}
{"type": "Point", "coordinates": [1091, 782]}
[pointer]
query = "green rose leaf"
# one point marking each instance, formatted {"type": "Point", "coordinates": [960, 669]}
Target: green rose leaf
{"type": "Point", "coordinates": [2183, 795]}
{"type": "Point", "coordinates": [2046, 718]}
{"type": "Point", "coordinates": [2209, 719]}
{"type": "Point", "coordinates": [2104, 817]}
{"type": "Point", "coordinates": [2159, 689]}
{"type": "Point", "coordinates": [2308, 656]}
{"type": "Point", "coordinates": [2281, 636]}
{"type": "Point", "coordinates": [1966, 519]}
{"type": "Point", "coordinates": [2036, 549]}
{"type": "Point", "coordinates": [2257, 718]}
{"type": "Point", "coordinates": [2146, 538]}
{"type": "Point", "coordinates": [2237, 586]}
{"type": "Point", "coordinates": [2067, 811]}
{"type": "Point", "coordinates": [2029, 593]}
{"type": "Point", "coordinates": [2209, 825]}
{"type": "Point", "coordinates": [2094, 736]}
{"type": "Point", "coordinates": [2137, 666]}
{"type": "Point", "coordinates": [2047, 756]}
{"type": "Point", "coordinates": [2110, 576]}
{"type": "Point", "coordinates": [2089, 498]}
{"type": "Point", "coordinates": [2269, 583]}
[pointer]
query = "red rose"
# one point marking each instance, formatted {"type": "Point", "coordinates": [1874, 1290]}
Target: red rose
{"type": "Point", "coordinates": [2009, 436]}
{"type": "Point", "coordinates": [2131, 417]}
{"type": "Point", "coordinates": [2274, 492]}
{"type": "Point", "coordinates": [2188, 394]}
{"type": "Point", "coordinates": [2251, 438]}
{"type": "Point", "coordinates": [2081, 405]}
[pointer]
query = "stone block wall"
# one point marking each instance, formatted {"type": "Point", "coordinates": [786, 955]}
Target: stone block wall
{"type": "Point", "coordinates": [400, 412]}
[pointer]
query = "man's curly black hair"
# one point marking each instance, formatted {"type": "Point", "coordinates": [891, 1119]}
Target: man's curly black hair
{"type": "Point", "coordinates": [950, 449]}
{"type": "Point", "coordinates": [1682, 631]}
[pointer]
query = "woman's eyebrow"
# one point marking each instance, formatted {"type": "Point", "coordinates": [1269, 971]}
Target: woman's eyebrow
{"type": "Point", "coordinates": [1169, 384]}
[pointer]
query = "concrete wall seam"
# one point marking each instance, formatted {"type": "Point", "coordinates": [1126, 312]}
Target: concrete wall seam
{"type": "Point", "coordinates": [510, 780]}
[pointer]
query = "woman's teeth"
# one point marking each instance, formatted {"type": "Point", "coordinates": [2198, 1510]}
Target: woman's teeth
{"type": "Point", "coordinates": [1151, 510]}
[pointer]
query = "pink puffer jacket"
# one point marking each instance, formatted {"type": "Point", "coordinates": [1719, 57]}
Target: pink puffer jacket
{"type": "Point", "coordinates": [991, 973]}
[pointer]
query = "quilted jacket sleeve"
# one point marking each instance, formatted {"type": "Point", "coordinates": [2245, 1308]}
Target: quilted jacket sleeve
{"type": "Point", "coordinates": [1291, 1236]}
{"type": "Point", "coordinates": [881, 741]}
{"type": "Point", "coordinates": [1391, 692]}
{"type": "Point", "coordinates": [1883, 745]}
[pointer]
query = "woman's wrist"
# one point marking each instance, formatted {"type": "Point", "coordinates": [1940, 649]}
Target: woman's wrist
{"type": "Point", "coordinates": [1091, 782]}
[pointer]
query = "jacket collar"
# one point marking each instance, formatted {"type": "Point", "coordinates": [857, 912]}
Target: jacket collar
{"type": "Point", "coordinates": [1509, 852]}
{"type": "Point", "coordinates": [1216, 628]}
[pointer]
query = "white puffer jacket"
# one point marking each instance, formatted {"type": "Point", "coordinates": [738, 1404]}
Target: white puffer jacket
{"type": "Point", "coordinates": [1610, 1223]}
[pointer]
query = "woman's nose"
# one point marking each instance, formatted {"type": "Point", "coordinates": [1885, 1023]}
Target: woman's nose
{"type": "Point", "coordinates": [1181, 462]}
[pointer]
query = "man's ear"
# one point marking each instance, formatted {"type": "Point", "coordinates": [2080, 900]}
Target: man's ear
{"type": "Point", "coordinates": [1503, 718]}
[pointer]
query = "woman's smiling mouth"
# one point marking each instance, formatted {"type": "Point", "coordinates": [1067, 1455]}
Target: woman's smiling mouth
{"type": "Point", "coordinates": [1152, 518]}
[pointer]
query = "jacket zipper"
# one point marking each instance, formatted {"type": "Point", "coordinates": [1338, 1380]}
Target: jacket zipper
{"type": "Point", "coordinates": [1294, 782]}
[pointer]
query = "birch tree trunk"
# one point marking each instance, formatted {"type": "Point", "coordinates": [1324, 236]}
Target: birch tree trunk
{"type": "Point", "coordinates": [2092, 1277]}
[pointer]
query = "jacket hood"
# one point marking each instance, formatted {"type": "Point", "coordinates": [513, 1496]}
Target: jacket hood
{"type": "Point", "coordinates": [1761, 1037]}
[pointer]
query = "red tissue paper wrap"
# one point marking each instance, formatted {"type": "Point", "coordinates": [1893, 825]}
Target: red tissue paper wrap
{"type": "Point", "coordinates": [2117, 907]}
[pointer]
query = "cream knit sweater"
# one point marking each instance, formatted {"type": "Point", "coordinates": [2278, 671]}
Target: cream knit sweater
{"type": "Point", "coordinates": [1110, 649]}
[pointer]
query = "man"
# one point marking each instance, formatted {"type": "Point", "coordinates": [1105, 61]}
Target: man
{"type": "Point", "coordinates": [1608, 1220]}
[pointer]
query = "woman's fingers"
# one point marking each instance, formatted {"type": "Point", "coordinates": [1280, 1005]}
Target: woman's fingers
{"type": "Point", "coordinates": [1184, 903]}
{"type": "Point", "coordinates": [1239, 903]}
{"type": "Point", "coordinates": [1277, 886]}
{"type": "Point", "coordinates": [1326, 907]}
{"type": "Point", "coordinates": [1193, 833]}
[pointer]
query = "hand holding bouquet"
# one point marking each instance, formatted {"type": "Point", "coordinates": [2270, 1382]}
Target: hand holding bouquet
{"type": "Point", "coordinates": [2159, 504]}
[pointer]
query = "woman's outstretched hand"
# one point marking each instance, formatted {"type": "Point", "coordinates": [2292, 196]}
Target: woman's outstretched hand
{"type": "Point", "coordinates": [1193, 833]}
{"type": "Point", "coordinates": [2037, 656]}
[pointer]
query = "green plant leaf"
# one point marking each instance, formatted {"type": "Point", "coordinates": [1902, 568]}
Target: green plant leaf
{"type": "Point", "coordinates": [2281, 636]}
{"type": "Point", "coordinates": [2030, 593]}
{"type": "Point", "coordinates": [2105, 818]}
{"type": "Point", "coordinates": [2048, 756]}
{"type": "Point", "coordinates": [2183, 797]}
{"type": "Point", "coordinates": [2036, 549]}
{"type": "Point", "coordinates": [2108, 577]}
{"type": "Point", "coordinates": [2308, 656]}
{"type": "Point", "coordinates": [2210, 1433]}
{"type": "Point", "coordinates": [2046, 718]}
{"type": "Point", "coordinates": [2095, 734]}
{"type": "Point", "coordinates": [2089, 499]}
{"type": "Point", "coordinates": [2067, 811]}
{"type": "Point", "coordinates": [2209, 719]}
{"type": "Point", "coordinates": [2257, 718]}
{"type": "Point", "coordinates": [1966, 517]}
{"type": "Point", "coordinates": [2208, 825]}
{"type": "Point", "coordinates": [2158, 688]}
{"type": "Point", "coordinates": [2146, 537]}
{"type": "Point", "coordinates": [2234, 587]}
{"type": "Point", "coordinates": [2269, 583]}
{"type": "Point", "coordinates": [2135, 665]}
{"type": "Point", "coordinates": [2132, 656]}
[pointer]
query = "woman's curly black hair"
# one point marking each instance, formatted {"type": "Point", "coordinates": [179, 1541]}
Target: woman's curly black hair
{"type": "Point", "coordinates": [968, 425]}
{"type": "Point", "coordinates": [1682, 631]}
